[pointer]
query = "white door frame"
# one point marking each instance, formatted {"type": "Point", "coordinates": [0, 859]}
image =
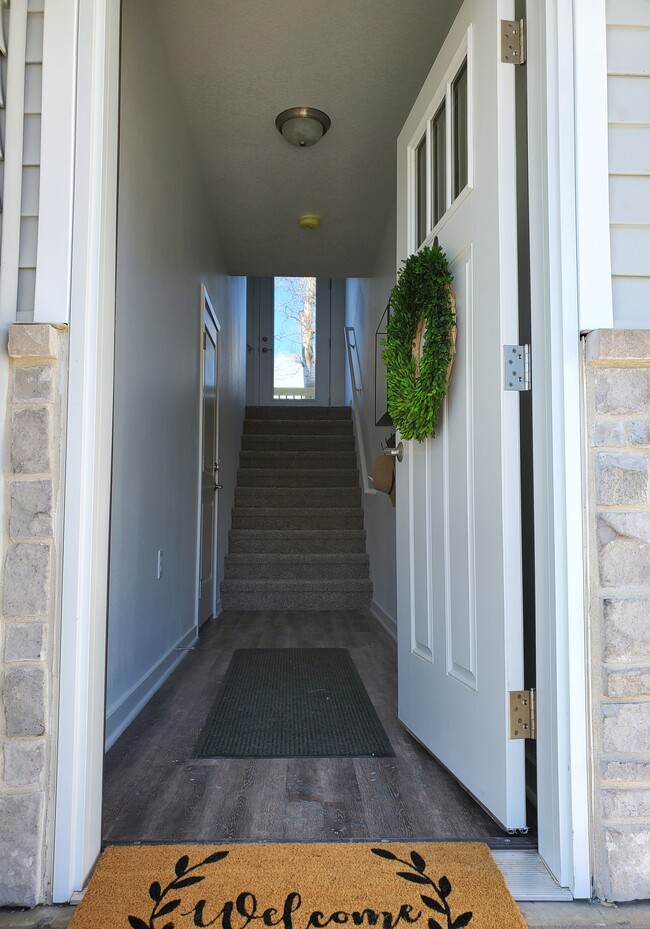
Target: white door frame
{"type": "Point", "coordinates": [207, 307]}
{"type": "Point", "coordinates": [561, 639]}
{"type": "Point", "coordinates": [92, 150]}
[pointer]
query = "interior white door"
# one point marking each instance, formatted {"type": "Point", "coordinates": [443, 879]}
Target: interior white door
{"type": "Point", "coordinates": [209, 467]}
{"type": "Point", "coordinates": [458, 495]}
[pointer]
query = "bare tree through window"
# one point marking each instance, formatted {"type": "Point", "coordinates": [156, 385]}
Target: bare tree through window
{"type": "Point", "coordinates": [295, 334]}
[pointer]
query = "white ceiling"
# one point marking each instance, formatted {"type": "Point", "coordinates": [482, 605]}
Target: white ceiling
{"type": "Point", "coordinates": [238, 63]}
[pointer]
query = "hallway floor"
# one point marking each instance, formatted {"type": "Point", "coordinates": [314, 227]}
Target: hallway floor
{"type": "Point", "coordinates": [155, 791]}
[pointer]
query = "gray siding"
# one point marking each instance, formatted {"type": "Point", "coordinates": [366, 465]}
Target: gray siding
{"type": "Point", "coordinates": [31, 150]}
{"type": "Point", "coordinates": [31, 162]}
{"type": "Point", "coordinates": [628, 67]}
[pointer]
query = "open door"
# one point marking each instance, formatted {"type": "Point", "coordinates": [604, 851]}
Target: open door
{"type": "Point", "coordinates": [458, 495]}
{"type": "Point", "coordinates": [289, 334]}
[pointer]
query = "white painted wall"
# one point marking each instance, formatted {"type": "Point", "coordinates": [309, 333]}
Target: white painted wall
{"type": "Point", "coordinates": [628, 67]}
{"type": "Point", "coordinates": [366, 300]}
{"type": "Point", "coordinates": [167, 246]}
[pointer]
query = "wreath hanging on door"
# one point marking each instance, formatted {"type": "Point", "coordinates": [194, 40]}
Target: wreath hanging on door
{"type": "Point", "coordinates": [420, 343]}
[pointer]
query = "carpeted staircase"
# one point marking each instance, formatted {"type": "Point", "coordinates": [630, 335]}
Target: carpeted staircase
{"type": "Point", "coordinates": [297, 540]}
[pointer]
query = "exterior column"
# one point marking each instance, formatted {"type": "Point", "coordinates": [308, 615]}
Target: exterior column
{"type": "Point", "coordinates": [618, 516]}
{"type": "Point", "coordinates": [29, 627]}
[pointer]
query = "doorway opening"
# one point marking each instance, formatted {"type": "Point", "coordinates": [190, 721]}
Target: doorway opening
{"type": "Point", "coordinates": [164, 707]}
{"type": "Point", "coordinates": [294, 341]}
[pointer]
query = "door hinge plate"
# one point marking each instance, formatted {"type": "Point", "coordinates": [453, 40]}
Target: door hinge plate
{"type": "Point", "coordinates": [523, 717]}
{"type": "Point", "coordinates": [516, 367]}
{"type": "Point", "coordinates": [513, 41]}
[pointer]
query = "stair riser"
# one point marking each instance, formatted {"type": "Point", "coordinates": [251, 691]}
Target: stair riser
{"type": "Point", "coordinates": [253, 542]}
{"type": "Point", "coordinates": [335, 427]}
{"type": "Point", "coordinates": [295, 601]}
{"type": "Point", "coordinates": [302, 460]}
{"type": "Point", "coordinates": [298, 443]}
{"type": "Point", "coordinates": [298, 412]}
{"type": "Point", "coordinates": [297, 522]}
{"type": "Point", "coordinates": [297, 571]}
{"type": "Point", "coordinates": [297, 477]}
{"type": "Point", "coordinates": [312, 497]}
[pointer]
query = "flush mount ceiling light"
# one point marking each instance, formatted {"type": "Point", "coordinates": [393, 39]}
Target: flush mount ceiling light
{"type": "Point", "coordinates": [302, 125]}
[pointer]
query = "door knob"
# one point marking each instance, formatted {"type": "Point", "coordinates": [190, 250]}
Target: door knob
{"type": "Point", "coordinates": [218, 486]}
{"type": "Point", "coordinates": [266, 350]}
{"type": "Point", "coordinates": [395, 452]}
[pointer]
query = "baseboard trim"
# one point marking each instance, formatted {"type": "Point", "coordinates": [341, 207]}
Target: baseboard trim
{"type": "Point", "coordinates": [123, 714]}
{"type": "Point", "coordinates": [382, 617]}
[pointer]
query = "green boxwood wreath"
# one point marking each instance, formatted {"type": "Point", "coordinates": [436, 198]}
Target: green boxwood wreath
{"type": "Point", "coordinates": [419, 345]}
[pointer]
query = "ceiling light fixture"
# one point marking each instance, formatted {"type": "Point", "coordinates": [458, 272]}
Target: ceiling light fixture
{"type": "Point", "coordinates": [302, 125]}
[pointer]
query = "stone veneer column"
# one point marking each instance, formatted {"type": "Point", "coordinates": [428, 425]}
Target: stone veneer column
{"type": "Point", "coordinates": [30, 605]}
{"type": "Point", "coordinates": [618, 420]}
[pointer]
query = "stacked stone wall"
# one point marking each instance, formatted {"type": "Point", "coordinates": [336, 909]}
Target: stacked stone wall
{"type": "Point", "coordinates": [29, 622]}
{"type": "Point", "coordinates": [617, 379]}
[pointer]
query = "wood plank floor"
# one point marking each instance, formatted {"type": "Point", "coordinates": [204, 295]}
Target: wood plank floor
{"type": "Point", "coordinates": [155, 791]}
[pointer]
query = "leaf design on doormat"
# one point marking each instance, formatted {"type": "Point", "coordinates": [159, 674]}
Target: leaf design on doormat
{"type": "Point", "coordinates": [416, 875]}
{"type": "Point", "coordinates": [184, 878]}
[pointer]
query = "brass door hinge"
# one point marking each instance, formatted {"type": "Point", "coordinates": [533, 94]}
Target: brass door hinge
{"type": "Point", "coordinates": [513, 41]}
{"type": "Point", "coordinates": [523, 716]}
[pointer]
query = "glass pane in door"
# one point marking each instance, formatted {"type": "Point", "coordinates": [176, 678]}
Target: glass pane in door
{"type": "Point", "coordinates": [294, 338]}
{"type": "Point", "coordinates": [438, 164]}
{"type": "Point", "coordinates": [421, 166]}
{"type": "Point", "coordinates": [459, 138]}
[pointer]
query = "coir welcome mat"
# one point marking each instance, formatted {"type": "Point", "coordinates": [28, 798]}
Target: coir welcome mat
{"type": "Point", "coordinates": [292, 703]}
{"type": "Point", "coordinates": [306, 886]}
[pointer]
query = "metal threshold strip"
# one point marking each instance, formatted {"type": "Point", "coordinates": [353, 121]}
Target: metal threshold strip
{"type": "Point", "coordinates": [527, 876]}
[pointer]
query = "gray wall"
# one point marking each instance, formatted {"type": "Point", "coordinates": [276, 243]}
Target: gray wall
{"type": "Point", "coordinates": [167, 246]}
{"type": "Point", "coordinates": [366, 300]}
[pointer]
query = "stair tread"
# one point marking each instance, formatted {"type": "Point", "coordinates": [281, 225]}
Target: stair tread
{"type": "Point", "coordinates": [298, 412]}
{"type": "Point", "coordinates": [307, 533]}
{"type": "Point", "coordinates": [283, 583]}
{"type": "Point", "coordinates": [317, 497]}
{"type": "Point", "coordinates": [306, 511]}
{"type": "Point", "coordinates": [297, 557]}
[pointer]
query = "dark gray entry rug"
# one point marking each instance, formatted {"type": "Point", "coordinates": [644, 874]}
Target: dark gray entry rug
{"type": "Point", "coordinates": [292, 703]}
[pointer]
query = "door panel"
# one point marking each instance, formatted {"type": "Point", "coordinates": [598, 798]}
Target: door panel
{"type": "Point", "coordinates": [458, 495]}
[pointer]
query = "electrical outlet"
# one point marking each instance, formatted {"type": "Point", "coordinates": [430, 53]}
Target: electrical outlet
{"type": "Point", "coordinates": [160, 563]}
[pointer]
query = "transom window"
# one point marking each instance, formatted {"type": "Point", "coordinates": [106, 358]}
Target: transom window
{"type": "Point", "coordinates": [441, 155]}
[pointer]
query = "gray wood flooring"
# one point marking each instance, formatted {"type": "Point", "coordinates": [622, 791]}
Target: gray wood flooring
{"type": "Point", "coordinates": [155, 791]}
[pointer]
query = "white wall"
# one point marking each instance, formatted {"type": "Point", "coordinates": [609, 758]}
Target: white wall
{"type": "Point", "coordinates": [366, 300]}
{"type": "Point", "coordinates": [628, 66]}
{"type": "Point", "coordinates": [167, 246]}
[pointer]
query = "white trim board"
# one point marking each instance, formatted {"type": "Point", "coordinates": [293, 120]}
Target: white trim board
{"type": "Point", "coordinates": [77, 837]}
{"type": "Point", "coordinates": [384, 619]}
{"type": "Point", "coordinates": [563, 782]}
{"type": "Point", "coordinates": [122, 713]}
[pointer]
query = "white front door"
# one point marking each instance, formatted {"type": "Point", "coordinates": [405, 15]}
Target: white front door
{"type": "Point", "coordinates": [291, 341]}
{"type": "Point", "coordinates": [209, 464]}
{"type": "Point", "coordinates": [458, 495]}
